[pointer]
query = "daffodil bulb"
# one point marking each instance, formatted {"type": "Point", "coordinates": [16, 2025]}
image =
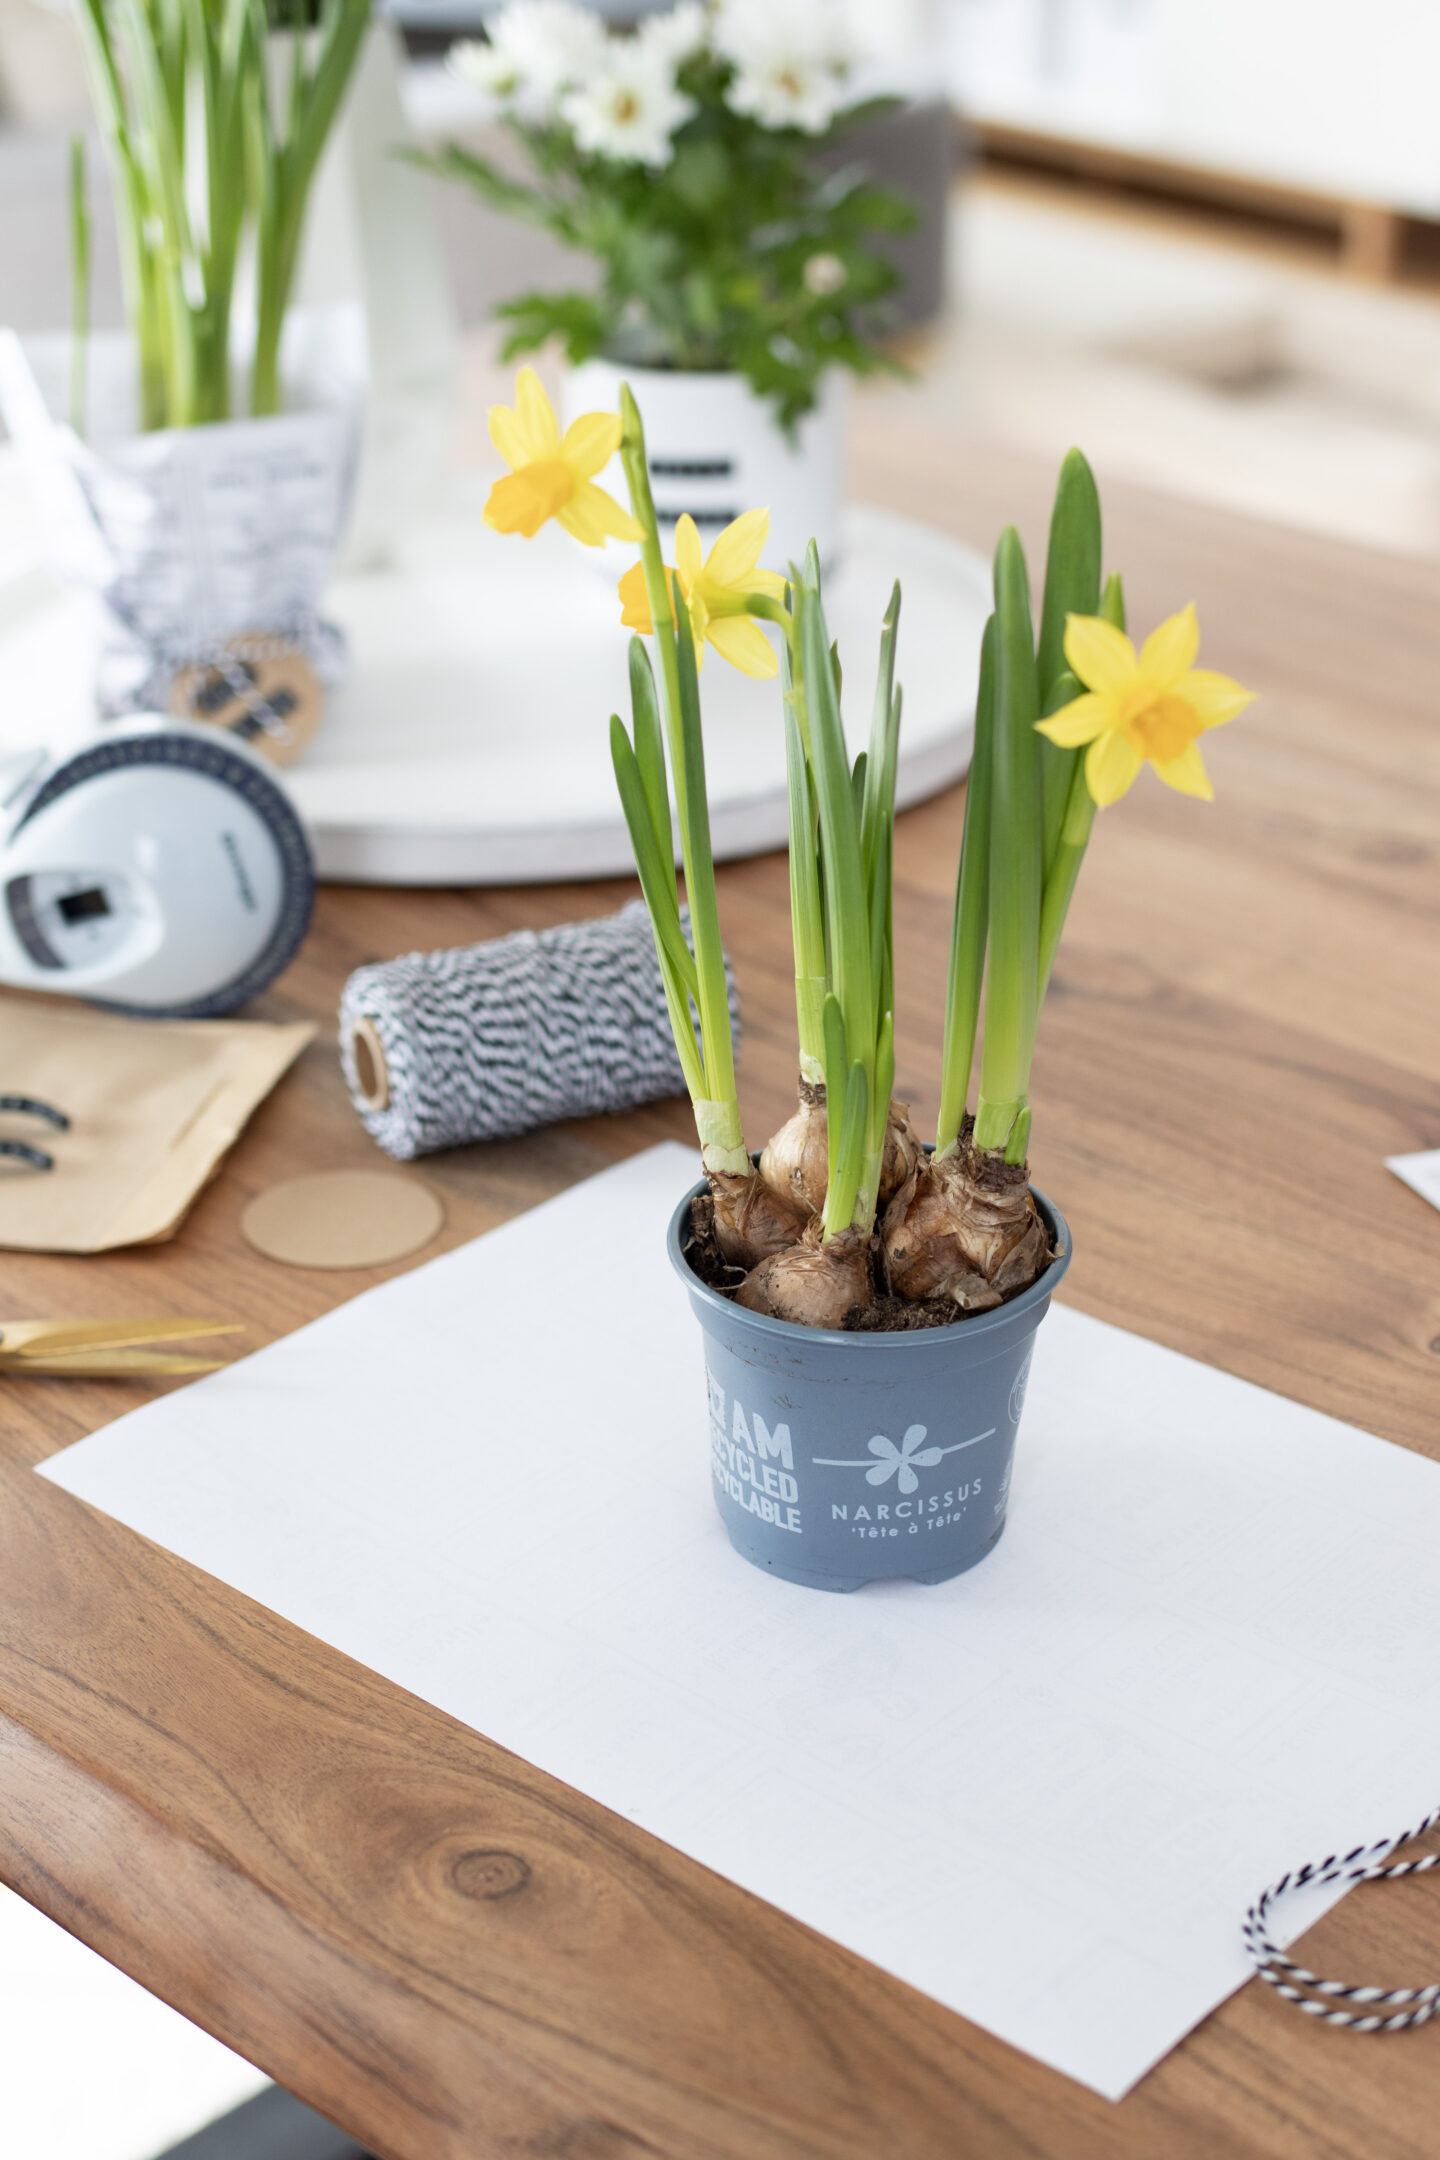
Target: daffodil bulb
{"type": "Point", "coordinates": [796, 1161]}
{"type": "Point", "coordinates": [537, 49]}
{"type": "Point", "coordinates": [630, 108]}
{"type": "Point", "coordinates": [965, 1229]}
{"type": "Point", "coordinates": [814, 1284]}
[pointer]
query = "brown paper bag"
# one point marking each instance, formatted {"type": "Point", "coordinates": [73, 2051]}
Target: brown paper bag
{"type": "Point", "coordinates": [152, 1104]}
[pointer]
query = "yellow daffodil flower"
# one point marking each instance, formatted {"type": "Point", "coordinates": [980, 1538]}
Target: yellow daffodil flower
{"type": "Point", "coordinates": [550, 477]}
{"type": "Point", "coordinates": [718, 592]}
{"type": "Point", "coordinates": [1142, 708]}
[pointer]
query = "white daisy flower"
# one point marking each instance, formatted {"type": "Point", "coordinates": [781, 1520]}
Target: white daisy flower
{"type": "Point", "coordinates": [787, 91]}
{"type": "Point", "coordinates": [537, 49]}
{"type": "Point", "coordinates": [677, 33]}
{"type": "Point", "coordinates": [792, 58]}
{"type": "Point", "coordinates": [484, 67]}
{"type": "Point", "coordinates": [628, 110]}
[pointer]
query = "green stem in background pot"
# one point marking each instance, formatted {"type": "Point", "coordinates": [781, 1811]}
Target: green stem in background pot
{"type": "Point", "coordinates": [322, 61]}
{"type": "Point", "coordinates": [750, 1220]}
{"type": "Point", "coordinates": [185, 102]}
{"type": "Point", "coordinates": [79, 282]}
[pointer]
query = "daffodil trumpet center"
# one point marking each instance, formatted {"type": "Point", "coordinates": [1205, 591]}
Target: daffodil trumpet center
{"type": "Point", "coordinates": [1159, 725]}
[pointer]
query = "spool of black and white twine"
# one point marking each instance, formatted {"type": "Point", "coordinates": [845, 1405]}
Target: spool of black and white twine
{"type": "Point", "coordinates": [484, 1041]}
{"type": "Point", "coordinates": [1373, 2009]}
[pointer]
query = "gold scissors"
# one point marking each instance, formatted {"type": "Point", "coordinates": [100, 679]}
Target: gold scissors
{"type": "Point", "coordinates": [103, 1349]}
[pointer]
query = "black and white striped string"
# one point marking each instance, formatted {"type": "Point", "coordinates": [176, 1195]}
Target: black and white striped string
{"type": "Point", "coordinates": [1377, 2009]}
{"type": "Point", "coordinates": [442, 1049]}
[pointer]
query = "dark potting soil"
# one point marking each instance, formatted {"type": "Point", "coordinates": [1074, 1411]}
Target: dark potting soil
{"type": "Point", "coordinates": [888, 1315]}
{"type": "Point", "coordinates": [703, 1251]}
{"type": "Point", "coordinates": [896, 1315]}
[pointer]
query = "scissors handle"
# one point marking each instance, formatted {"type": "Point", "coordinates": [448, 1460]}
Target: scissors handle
{"type": "Point", "coordinates": [20, 1151]}
{"type": "Point", "coordinates": [27, 1106]}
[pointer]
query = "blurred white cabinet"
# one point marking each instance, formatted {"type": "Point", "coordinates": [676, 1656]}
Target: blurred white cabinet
{"type": "Point", "coordinates": [1322, 96]}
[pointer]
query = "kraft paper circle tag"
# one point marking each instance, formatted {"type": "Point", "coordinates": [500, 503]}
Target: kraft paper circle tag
{"type": "Point", "coordinates": [263, 690]}
{"type": "Point", "coordinates": [343, 1219]}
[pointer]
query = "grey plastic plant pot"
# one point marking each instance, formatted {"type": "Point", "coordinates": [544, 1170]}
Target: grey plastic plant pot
{"type": "Point", "coordinates": [839, 1459]}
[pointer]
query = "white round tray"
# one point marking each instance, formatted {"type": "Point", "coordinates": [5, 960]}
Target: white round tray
{"type": "Point", "coordinates": [470, 744]}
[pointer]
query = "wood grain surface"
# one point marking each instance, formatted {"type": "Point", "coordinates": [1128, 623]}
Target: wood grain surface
{"type": "Point", "coordinates": [453, 1955]}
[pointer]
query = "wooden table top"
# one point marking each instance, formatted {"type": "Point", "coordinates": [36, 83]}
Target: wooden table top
{"type": "Point", "coordinates": [453, 1955]}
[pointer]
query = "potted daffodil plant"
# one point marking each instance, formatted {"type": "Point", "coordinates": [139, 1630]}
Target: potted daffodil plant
{"type": "Point", "coordinates": [739, 272]}
{"type": "Point", "coordinates": [869, 1303]}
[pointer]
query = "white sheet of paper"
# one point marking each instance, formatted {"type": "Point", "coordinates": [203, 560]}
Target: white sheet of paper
{"type": "Point", "coordinates": [1420, 1172]}
{"type": "Point", "coordinates": [1044, 1793]}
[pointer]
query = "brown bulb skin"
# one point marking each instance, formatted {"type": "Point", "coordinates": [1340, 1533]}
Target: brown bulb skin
{"type": "Point", "coordinates": [965, 1228]}
{"type": "Point", "coordinates": [752, 1222]}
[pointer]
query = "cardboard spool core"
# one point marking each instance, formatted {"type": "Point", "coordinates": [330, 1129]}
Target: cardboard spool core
{"type": "Point", "coordinates": [343, 1219]}
{"type": "Point", "coordinates": [372, 1074]}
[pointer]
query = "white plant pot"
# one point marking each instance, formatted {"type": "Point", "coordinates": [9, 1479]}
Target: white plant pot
{"type": "Point", "coordinates": [191, 536]}
{"type": "Point", "coordinates": [716, 449]}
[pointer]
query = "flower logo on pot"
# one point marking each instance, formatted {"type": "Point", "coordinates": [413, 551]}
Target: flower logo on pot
{"type": "Point", "coordinates": [896, 1461]}
{"type": "Point", "coordinates": [899, 1462]}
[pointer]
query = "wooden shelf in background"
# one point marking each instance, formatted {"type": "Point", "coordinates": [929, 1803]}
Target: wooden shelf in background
{"type": "Point", "coordinates": [1369, 240]}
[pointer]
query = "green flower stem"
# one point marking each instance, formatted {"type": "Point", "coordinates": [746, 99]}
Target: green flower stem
{"type": "Point", "coordinates": [882, 1087]}
{"type": "Point", "coordinates": [807, 925]}
{"type": "Point", "coordinates": [1012, 999]}
{"type": "Point", "coordinates": [851, 1018]}
{"type": "Point", "coordinates": [807, 921]}
{"type": "Point", "coordinates": [1072, 587]}
{"type": "Point", "coordinates": [716, 1104]}
{"type": "Point", "coordinates": [971, 918]}
{"type": "Point", "coordinates": [877, 829]}
{"type": "Point", "coordinates": [1060, 885]}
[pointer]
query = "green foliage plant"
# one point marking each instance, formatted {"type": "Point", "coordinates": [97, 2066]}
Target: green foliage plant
{"type": "Point", "coordinates": [724, 240]}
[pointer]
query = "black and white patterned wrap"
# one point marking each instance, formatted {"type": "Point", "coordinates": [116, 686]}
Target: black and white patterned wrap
{"type": "Point", "coordinates": [1378, 2009]}
{"type": "Point", "coordinates": [488, 1040]}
